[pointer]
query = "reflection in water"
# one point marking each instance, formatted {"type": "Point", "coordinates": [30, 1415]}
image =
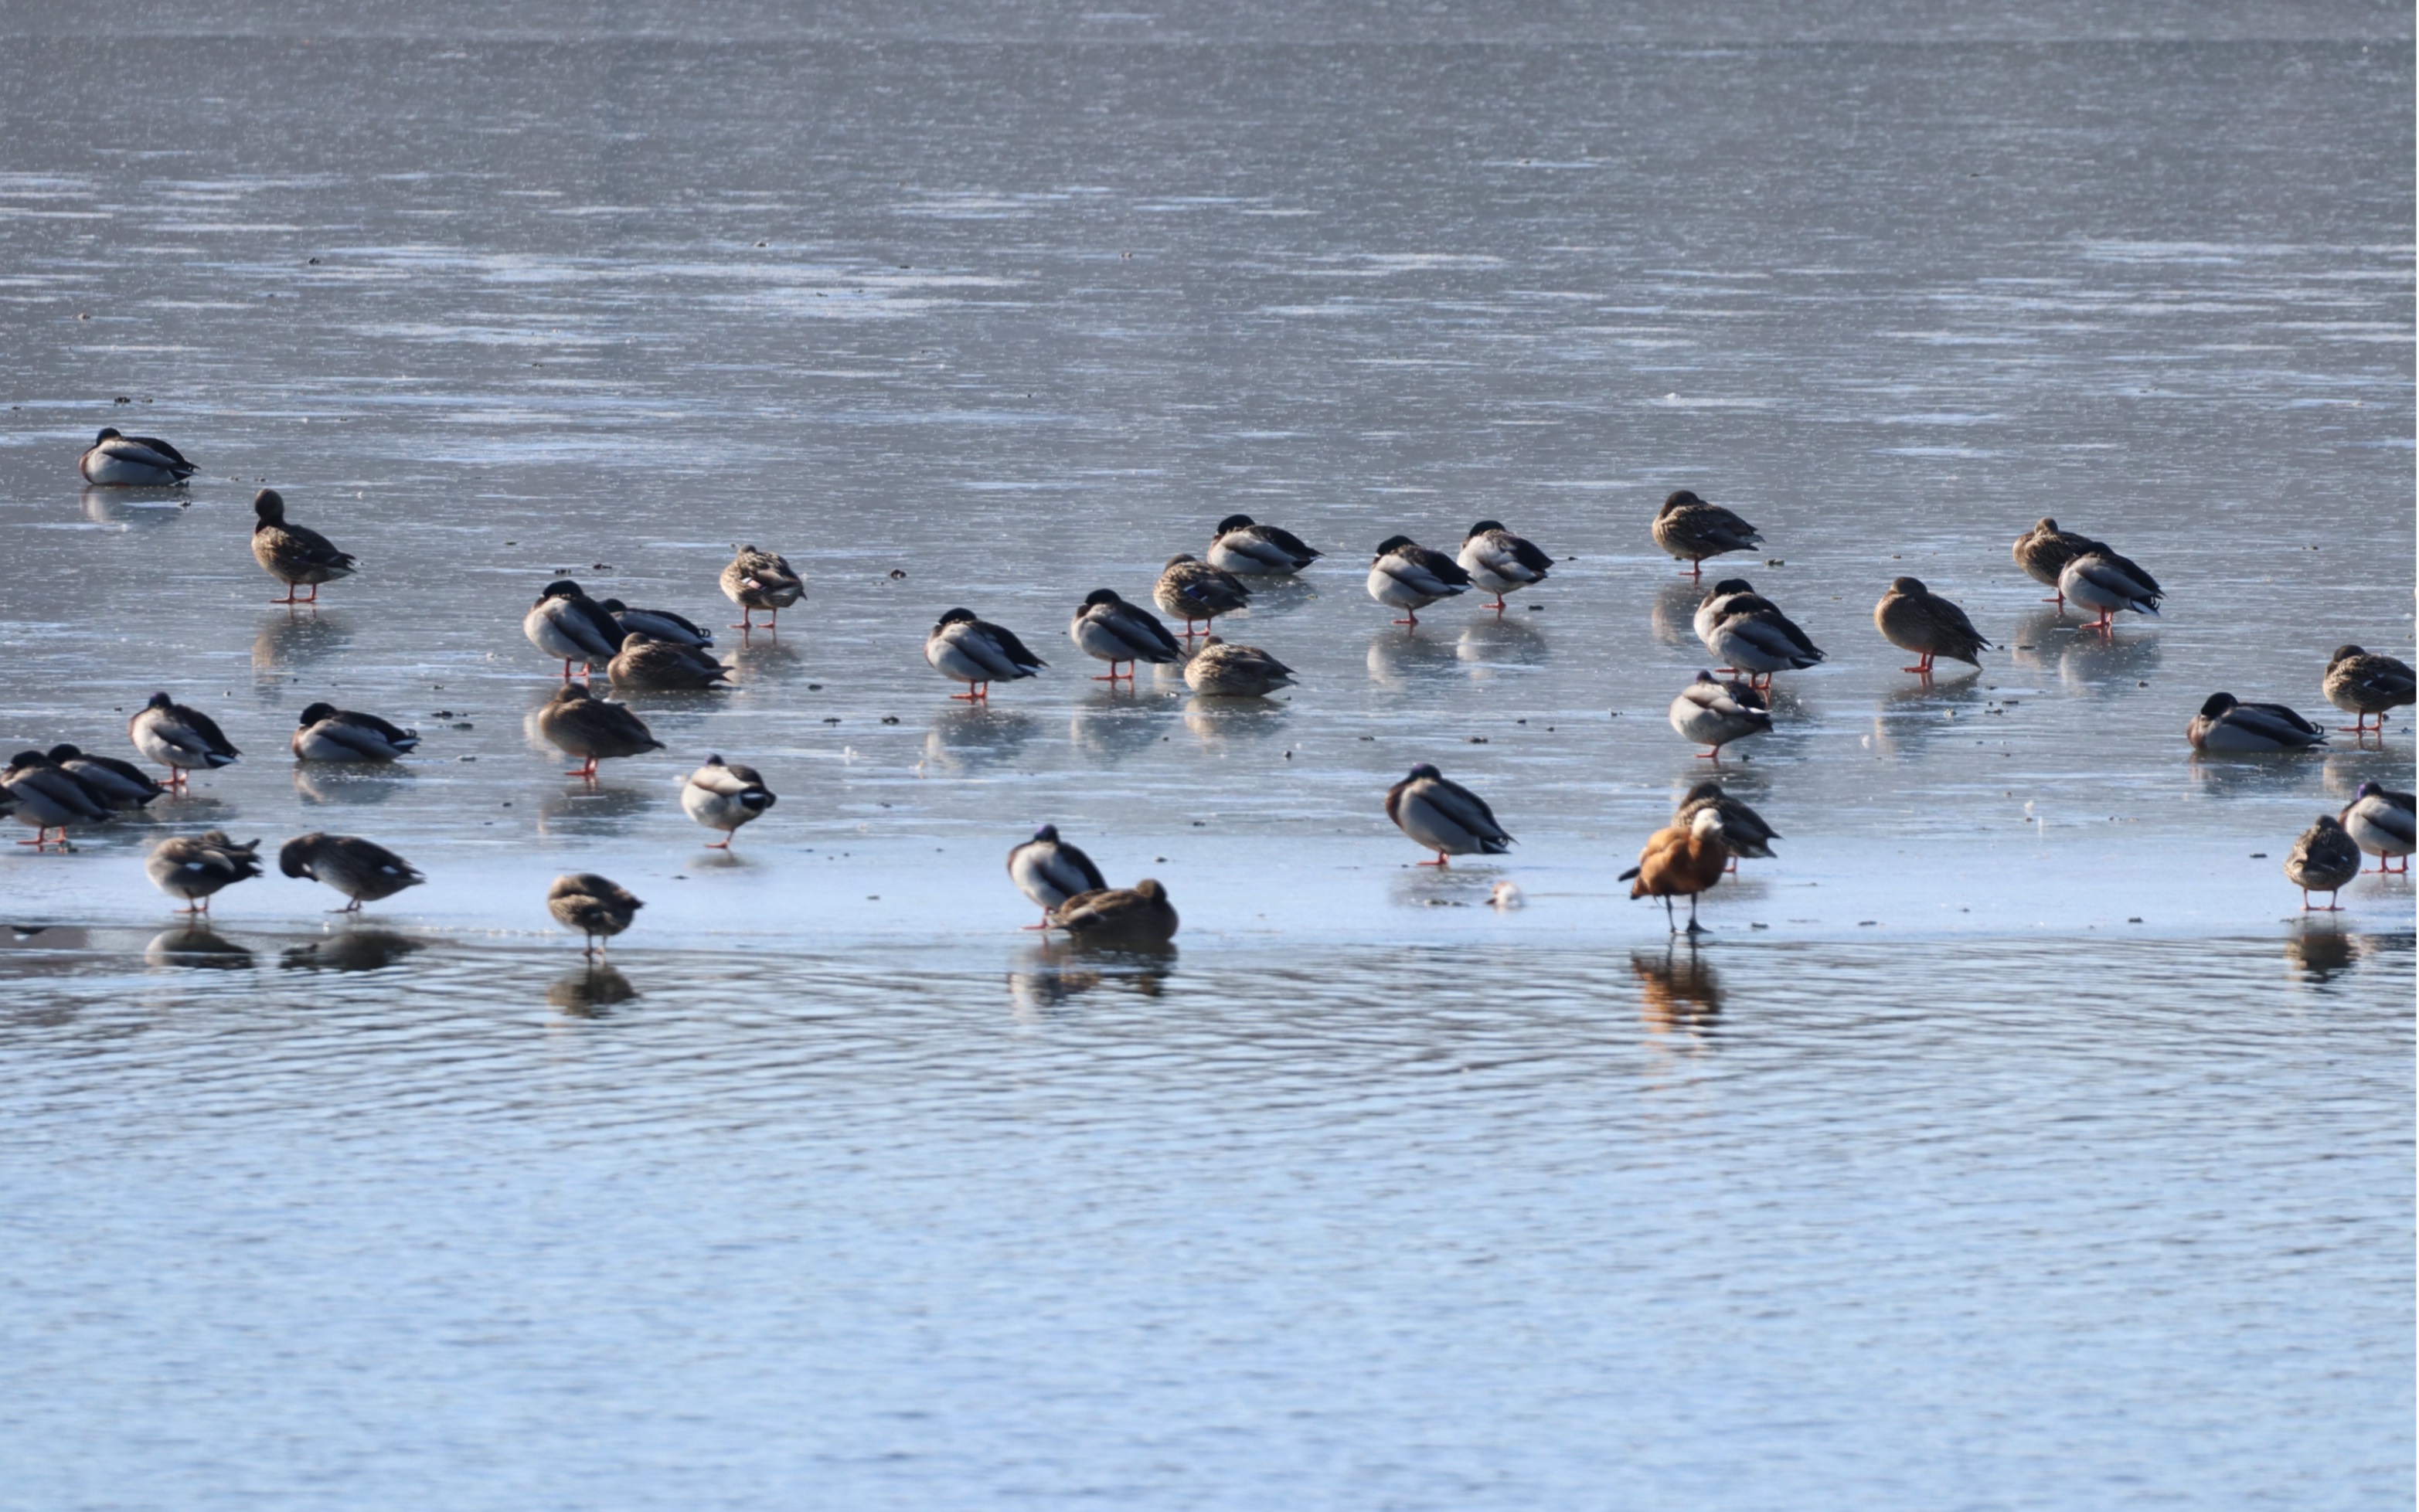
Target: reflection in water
{"type": "Point", "coordinates": [1506, 640]}
{"type": "Point", "coordinates": [1058, 969]}
{"type": "Point", "coordinates": [2231, 774]}
{"type": "Point", "coordinates": [1677, 990]}
{"type": "Point", "coordinates": [759, 657]}
{"type": "Point", "coordinates": [587, 992]}
{"type": "Point", "coordinates": [1915, 714]}
{"type": "Point", "coordinates": [134, 508]}
{"type": "Point", "coordinates": [2322, 952]}
{"type": "Point", "coordinates": [195, 946]}
{"type": "Point", "coordinates": [1673, 616]}
{"type": "Point", "coordinates": [351, 950]}
{"type": "Point", "coordinates": [348, 782]}
{"type": "Point", "coordinates": [1398, 656]}
{"type": "Point", "coordinates": [295, 638]}
{"type": "Point", "coordinates": [594, 811]}
{"type": "Point", "coordinates": [1467, 883]}
{"type": "Point", "coordinates": [972, 737]}
{"type": "Point", "coordinates": [1109, 727]}
{"type": "Point", "coordinates": [1218, 721]}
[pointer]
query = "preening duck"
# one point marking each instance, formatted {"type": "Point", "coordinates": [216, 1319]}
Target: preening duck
{"type": "Point", "coordinates": [2044, 550]}
{"type": "Point", "coordinates": [2362, 684]}
{"type": "Point", "coordinates": [1442, 816]}
{"type": "Point", "coordinates": [762, 580]}
{"type": "Point", "coordinates": [1750, 634]}
{"type": "Point", "coordinates": [2382, 822]}
{"type": "Point", "coordinates": [2104, 582]}
{"type": "Point", "coordinates": [661, 623]}
{"type": "Point", "coordinates": [1220, 670]}
{"type": "Point", "coordinates": [47, 796]}
{"type": "Point", "coordinates": [195, 866]}
{"type": "Point", "coordinates": [328, 733]}
{"type": "Point", "coordinates": [565, 623]}
{"type": "Point", "coordinates": [2324, 860]}
{"type": "Point", "coordinates": [652, 665]}
{"type": "Point", "coordinates": [362, 870]}
{"type": "Point", "coordinates": [1249, 550]}
{"type": "Point", "coordinates": [593, 728]}
{"type": "Point", "coordinates": [2227, 723]}
{"type": "Point", "coordinates": [597, 906]}
{"type": "Point", "coordinates": [1190, 588]}
{"type": "Point", "coordinates": [119, 782]}
{"type": "Point", "coordinates": [1744, 830]}
{"type": "Point", "coordinates": [1914, 619]}
{"type": "Point", "coordinates": [1139, 915]}
{"type": "Point", "coordinates": [116, 461]}
{"type": "Point", "coordinates": [1049, 871]}
{"type": "Point", "coordinates": [178, 737]}
{"type": "Point", "coordinates": [1681, 861]}
{"type": "Point", "coordinates": [1714, 713]}
{"type": "Point", "coordinates": [294, 554]}
{"type": "Point", "coordinates": [1408, 576]}
{"type": "Point", "coordinates": [977, 654]}
{"type": "Point", "coordinates": [724, 795]}
{"type": "Point", "coordinates": [1691, 530]}
{"type": "Point", "coordinates": [1499, 562]}
{"type": "Point", "coordinates": [1109, 629]}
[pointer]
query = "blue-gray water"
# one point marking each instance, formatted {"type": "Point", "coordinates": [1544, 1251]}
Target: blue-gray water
{"type": "Point", "coordinates": [2012, 1142]}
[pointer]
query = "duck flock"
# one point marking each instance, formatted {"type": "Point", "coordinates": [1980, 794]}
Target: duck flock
{"type": "Point", "coordinates": [656, 650]}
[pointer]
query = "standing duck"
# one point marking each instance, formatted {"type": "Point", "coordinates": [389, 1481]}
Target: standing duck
{"type": "Point", "coordinates": [2044, 550]}
{"type": "Point", "coordinates": [593, 728]}
{"type": "Point", "coordinates": [1499, 562]}
{"type": "Point", "coordinates": [116, 461]}
{"type": "Point", "coordinates": [2381, 822]}
{"type": "Point", "coordinates": [1750, 634]}
{"type": "Point", "coordinates": [1408, 576]}
{"type": "Point", "coordinates": [1219, 670]}
{"type": "Point", "coordinates": [1139, 915]}
{"type": "Point", "coordinates": [328, 733]}
{"type": "Point", "coordinates": [2227, 723]}
{"type": "Point", "coordinates": [1444, 817]}
{"type": "Point", "coordinates": [121, 784]}
{"type": "Point", "coordinates": [2104, 582]}
{"type": "Point", "coordinates": [49, 797]}
{"type": "Point", "coordinates": [762, 580]}
{"type": "Point", "coordinates": [565, 623]}
{"type": "Point", "coordinates": [295, 556]}
{"type": "Point", "coordinates": [1681, 861]}
{"type": "Point", "coordinates": [362, 870]}
{"type": "Point", "coordinates": [178, 737]}
{"type": "Point", "coordinates": [652, 665]}
{"type": "Point", "coordinates": [194, 866]}
{"type": "Point", "coordinates": [1744, 830]}
{"type": "Point", "coordinates": [2324, 860]}
{"type": "Point", "coordinates": [1190, 588]}
{"type": "Point", "coordinates": [1049, 871]}
{"type": "Point", "coordinates": [1691, 530]}
{"type": "Point", "coordinates": [597, 906]}
{"type": "Point", "coordinates": [2362, 684]}
{"type": "Point", "coordinates": [1914, 619]}
{"type": "Point", "coordinates": [723, 796]}
{"type": "Point", "coordinates": [977, 654]}
{"type": "Point", "coordinates": [1715, 714]}
{"type": "Point", "coordinates": [1249, 550]}
{"type": "Point", "coordinates": [661, 623]}
{"type": "Point", "coordinates": [1111, 630]}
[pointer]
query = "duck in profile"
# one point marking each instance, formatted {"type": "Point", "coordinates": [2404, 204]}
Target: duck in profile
{"type": "Point", "coordinates": [1133, 916]}
{"type": "Point", "coordinates": [661, 623]}
{"type": "Point", "coordinates": [1221, 670]}
{"type": "Point", "coordinates": [568, 624]}
{"type": "Point", "coordinates": [121, 784]}
{"type": "Point", "coordinates": [652, 665]}
{"type": "Point", "coordinates": [1109, 629]}
{"type": "Point", "coordinates": [2382, 822]}
{"type": "Point", "coordinates": [1681, 861]}
{"type": "Point", "coordinates": [1499, 562]}
{"type": "Point", "coordinates": [977, 654]}
{"type": "Point", "coordinates": [1442, 816]}
{"type": "Point", "coordinates": [1691, 530]}
{"type": "Point", "coordinates": [328, 733]}
{"type": "Point", "coordinates": [1714, 713]}
{"type": "Point", "coordinates": [1249, 550]}
{"type": "Point", "coordinates": [180, 738]}
{"type": "Point", "coordinates": [362, 870]}
{"type": "Point", "coordinates": [196, 867]}
{"type": "Point", "coordinates": [1408, 576]}
{"type": "Point", "coordinates": [724, 795]}
{"type": "Point", "coordinates": [1914, 619]}
{"type": "Point", "coordinates": [2323, 860]}
{"type": "Point", "coordinates": [2227, 723]}
{"type": "Point", "coordinates": [597, 906]}
{"type": "Point", "coordinates": [2364, 684]}
{"type": "Point", "coordinates": [762, 580]}
{"type": "Point", "coordinates": [2104, 582]}
{"type": "Point", "coordinates": [47, 796]}
{"type": "Point", "coordinates": [295, 556]}
{"type": "Point", "coordinates": [593, 728]}
{"type": "Point", "coordinates": [1191, 589]}
{"type": "Point", "coordinates": [1744, 830]}
{"type": "Point", "coordinates": [1750, 634]}
{"type": "Point", "coordinates": [116, 461]}
{"type": "Point", "coordinates": [2044, 550]}
{"type": "Point", "coordinates": [1049, 871]}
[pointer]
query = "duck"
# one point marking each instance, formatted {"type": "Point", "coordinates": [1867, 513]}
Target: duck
{"type": "Point", "coordinates": [2382, 822]}
{"type": "Point", "coordinates": [2227, 723]}
{"type": "Point", "coordinates": [1109, 629]}
{"type": "Point", "coordinates": [654, 665]}
{"type": "Point", "coordinates": [2104, 582]}
{"type": "Point", "coordinates": [2044, 550]}
{"type": "Point", "coordinates": [1408, 576]}
{"type": "Point", "coordinates": [1139, 915]}
{"type": "Point", "coordinates": [49, 797]}
{"type": "Point", "coordinates": [119, 461]}
{"type": "Point", "coordinates": [1249, 550]}
{"type": "Point", "coordinates": [1681, 861]}
{"type": "Point", "coordinates": [1744, 830]}
{"type": "Point", "coordinates": [593, 728]}
{"type": "Point", "coordinates": [195, 866]}
{"type": "Point", "coordinates": [2324, 860]}
{"type": "Point", "coordinates": [180, 738]}
{"type": "Point", "coordinates": [661, 623]}
{"type": "Point", "coordinates": [1442, 816]}
{"type": "Point", "coordinates": [2362, 684]}
{"type": "Point", "coordinates": [723, 796]}
{"type": "Point", "coordinates": [762, 580]}
{"type": "Point", "coordinates": [1049, 871]}
{"type": "Point", "coordinates": [328, 733]}
{"type": "Point", "coordinates": [1190, 588]}
{"type": "Point", "coordinates": [362, 870]}
{"type": "Point", "coordinates": [1914, 619]}
{"type": "Point", "coordinates": [1499, 562]}
{"type": "Point", "coordinates": [977, 654]}
{"type": "Point", "coordinates": [1750, 634]}
{"type": "Point", "coordinates": [565, 623]}
{"type": "Point", "coordinates": [295, 556]}
{"type": "Point", "coordinates": [1691, 530]}
{"type": "Point", "coordinates": [1222, 670]}
{"type": "Point", "coordinates": [597, 906]}
{"type": "Point", "coordinates": [121, 784]}
{"type": "Point", "coordinates": [1714, 713]}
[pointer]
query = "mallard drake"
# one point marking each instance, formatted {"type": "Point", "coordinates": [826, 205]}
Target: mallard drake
{"type": "Point", "coordinates": [593, 728]}
{"type": "Point", "coordinates": [362, 870]}
{"type": "Point", "coordinates": [1190, 589]}
{"type": "Point", "coordinates": [1914, 619]}
{"type": "Point", "coordinates": [120, 783]}
{"type": "Point", "coordinates": [49, 797]}
{"type": "Point", "coordinates": [597, 906]}
{"type": "Point", "coordinates": [193, 866]}
{"type": "Point", "coordinates": [1127, 916]}
{"type": "Point", "coordinates": [762, 580]}
{"type": "Point", "coordinates": [977, 654]}
{"type": "Point", "coordinates": [328, 733]}
{"type": "Point", "coordinates": [1442, 816]}
{"type": "Point", "coordinates": [2044, 550]}
{"type": "Point", "coordinates": [661, 623]}
{"type": "Point", "coordinates": [1691, 530]}
{"type": "Point", "coordinates": [1681, 861]}
{"type": "Point", "coordinates": [565, 623]}
{"type": "Point", "coordinates": [2324, 860]}
{"type": "Point", "coordinates": [1715, 714]}
{"type": "Point", "coordinates": [1408, 576]}
{"type": "Point", "coordinates": [2360, 683]}
{"type": "Point", "coordinates": [1219, 670]}
{"type": "Point", "coordinates": [116, 461]}
{"type": "Point", "coordinates": [2227, 723]}
{"type": "Point", "coordinates": [1750, 634]}
{"type": "Point", "coordinates": [654, 665]}
{"type": "Point", "coordinates": [294, 554]}
{"type": "Point", "coordinates": [1108, 628]}
{"type": "Point", "coordinates": [178, 737]}
{"type": "Point", "coordinates": [1744, 830]}
{"type": "Point", "coordinates": [723, 796]}
{"type": "Point", "coordinates": [1249, 550]}
{"type": "Point", "coordinates": [1499, 562]}
{"type": "Point", "coordinates": [2381, 822]}
{"type": "Point", "coordinates": [1049, 871]}
{"type": "Point", "coordinates": [2104, 582]}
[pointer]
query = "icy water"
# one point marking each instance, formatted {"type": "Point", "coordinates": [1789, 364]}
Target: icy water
{"type": "Point", "coordinates": [2011, 1141]}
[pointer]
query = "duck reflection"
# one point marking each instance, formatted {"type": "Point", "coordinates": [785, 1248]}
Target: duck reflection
{"type": "Point", "coordinates": [1398, 658]}
{"type": "Point", "coordinates": [1915, 716]}
{"type": "Point", "coordinates": [347, 782]}
{"type": "Point", "coordinates": [1678, 992]}
{"type": "Point", "coordinates": [2320, 952]}
{"type": "Point", "coordinates": [1673, 614]}
{"type": "Point", "coordinates": [594, 811]}
{"type": "Point", "coordinates": [137, 509]}
{"type": "Point", "coordinates": [587, 993]}
{"type": "Point", "coordinates": [1056, 970]}
{"type": "Point", "coordinates": [193, 946]}
{"type": "Point", "coordinates": [351, 950]}
{"type": "Point", "coordinates": [2229, 773]}
{"type": "Point", "coordinates": [1217, 722]}
{"type": "Point", "coordinates": [292, 640]}
{"type": "Point", "coordinates": [1499, 640]}
{"type": "Point", "coordinates": [1468, 882]}
{"type": "Point", "coordinates": [1109, 727]}
{"type": "Point", "coordinates": [757, 661]}
{"type": "Point", "coordinates": [972, 737]}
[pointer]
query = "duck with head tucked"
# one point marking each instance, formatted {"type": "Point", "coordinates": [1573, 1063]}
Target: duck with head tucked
{"type": "Point", "coordinates": [362, 870]}
{"type": "Point", "coordinates": [2364, 684]}
{"type": "Point", "coordinates": [328, 733]}
{"type": "Point", "coordinates": [1220, 670]}
{"type": "Point", "coordinates": [1499, 562]}
{"type": "Point", "coordinates": [1191, 589]}
{"type": "Point", "coordinates": [593, 728]}
{"type": "Point", "coordinates": [1744, 830]}
{"type": "Point", "coordinates": [660, 623]}
{"type": "Point", "coordinates": [597, 906]}
{"type": "Point", "coordinates": [977, 654]}
{"type": "Point", "coordinates": [1408, 576]}
{"type": "Point", "coordinates": [1914, 619]}
{"type": "Point", "coordinates": [1136, 917]}
{"type": "Point", "coordinates": [180, 738]}
{"type": "Point", "coordinates": [1109, 629]}
{"type": "Point", "coordinates": [724, 795]}
{"type": "Point", "coordinates": [762, 580]}
{"type": "Point", "coordinates": [2225, 723]}
{"type": "Point", "coordinates": [1049, 871]}
{"type": "Point", "coordinates": [47, 796]}
{"type": "Point", "coordinates": [1750, 634]}
{"type": "Point", "coordinates": [195, 867]}
{"type": "Point", "coordinates": [1249, 550]}
{"type": "Point", "coordinates": [116, 461]}
{"type": "Point", "coordinates": [652, 665]}
{"type": "Point", "coordinates": [565, 623]}
{"type": "Point", "coordinates": [1691, 530]}
{"type": "Point", "coordinates": [295, 556]}
{"type": "Point", "coordinates": [1714, 713]}
{"type": "Point", "coordinates": [2044, 550]}
{"type": "Point", "coordinates": [2104, 582]}
{"type": "Point", "coordinates": [2324, 860]}
{"type": "Point", "coordinates": [1442, 816]}
{"type": "Point", "coordinates": [119, 782]}
{"type": "Point", "coordinates": [2384, 823]}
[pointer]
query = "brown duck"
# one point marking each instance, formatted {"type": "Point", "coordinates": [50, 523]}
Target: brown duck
{"type": "Point", "coordinates": [294, 554]}
{"type": "Point", "coordinates": [1691, 530]}
{"type": "Point", "coordinates": [1914, 619]}
{"type": "Point", "coordinates": [593, 728]}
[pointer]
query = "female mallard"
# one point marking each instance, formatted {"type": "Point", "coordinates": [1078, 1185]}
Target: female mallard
{"type": "Point", "coordinates": [119, 782]}
{"type": "Point", "coordinates": [2382, 822]}
{"type": "Point", "coordinates": [1127, 916]}
{"type": "Point", "coordinates": [597, 906]}
{"type": "Point", "coordinates": [1681, 861]}
{"type": "Point", "coordinates": [1744, 830]}
{"type": "Point", "coordinates": [565, 623]}
{"type": "Point", "coordinates": [2227, 723]}
{"type": "Point", "coordinates": [178, 737]}
{"type": "Point", "coordinates": [1049, 871]}
{"type": "Point", "coordinates": [1501, 562]}
{"type": "Point", "coordinates": [1408, 576]}
{"type": "Point", "coordinates": [762, 580]}
{"type": "Point", "coordinates": [194, 866]}
{"type": "Point", "coordinates": [115, 461]}
{"type": "Point", "coordinates": [2044, 550]}
{"type": "Point", "coordinates": [362, 870]}
{"type": "Point", "coordinates": [2362, 684]}
{"type": "Point", "coordinates": [49, 797]}
{"type": "Point", "coordinates": [1108, 628]}
{"type": "Point", "coordinates": [593, 728]}
{"type": "Point", "coordinates": [328, 733]}
{"type": "Point", "coordinates": [661, 623]}
{"type": "Point", "coordinates": [1444, 817]}
{"type": "Point", "coordinates": [1190, 589]}
{"type": "Point", "coordinates": [2324, 860]}
{"type": "Point", "coordinates": [1691, 530]}
{"type": "Point", "coordinates": [977, 654]}
{"type": "Point", "coordinates": [1914, 619]}
{"type": "Point", "coordinates": [1249, 550]}
{"type": "Point", "coordinates": [1219, 670]}
{"type": "Point", "coordinates": [2104, 582]}
{"type": "Point", "coordinates": [295, 556]}
{"type": "Point", "coordinates": [654, 665]}
{"type": "Point", "coordinates": [1750, 634]}
{"type": "Point", "coordinates": [1715, 714]}
{"type": "Point", "coordinates": [723, 796]}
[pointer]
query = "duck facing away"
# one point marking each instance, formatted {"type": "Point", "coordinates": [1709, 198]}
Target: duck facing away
{"type": "Point", "coordinates": [2324, 860]}
{"type": "Point", "coordinates": [1914, 619]}
{"type": "Point", "coordinates": [2381, 822]}
{"type": "Point", "coordinates": [652, 665]}
{"type": "Point", "coordinates": [2360, 683]}
{"type": "Point", "coordinates": [1109, 629]}
{"type": "Point", "coordinates": [597, 906]}
{"type": "Point", "coordinates": [977, 654]}
{"type": "Point", "coordinates": [48, 796]}
{"type": "Point", "coordinates": [1408, 576]}
{"type": "Point", "coordinates": [1442, 816]}
{"type": "Point", "coordinates": [1499, 562]}
{"type": "Point", "coordinates": [119, 784]}
{"type": "Point", "coordinates": [195, 866]}
{"type": "Point", "coordinates": [328, 733]}
{"type": "Point", "coordinates": [1744, 830]}
{"type": "Point", "coordinates": [2103, 583]}
{"type": "Point", "coordinates": [661, 623]}
{"type": "Point", "coordinates": [566, 623]}
{"type": "Point", "coordinates": [762, 580]}
{"type": "Point", "coordinates": [1750, 634]}
{"type": "Point", "coordinates": [1681, 861]}
{"type": "Point", "coordinates": [116, 461]}
{"type": "Point", "coordinates": [1190, 588]}
{"type": "Point", "coordinates": [1049, 871]}
{"type": "Point", "coordinates": [1710, 712]}
{"type": "Point", "coordinates": [593, 728]}
{"type": "Point", "coordinates": [1133, 916]}
{"type": "Point", "coordinates": [2227, 723]}
{"type": "Point", "coordinates": [2044, 550]}
{"type": "Point", "coordinates": [724, 795]}
{"type": "Point", "coordinates": [1221, 670]}
{"type": "Point", "coordinates": [362, 870]}
{"type": "Point", "coordinates": [1249, 550]}
{"type": "Point", "coordinates": [180, 738]}
{"type": "Point", "coordinates": [295, 556]}
{"type": "Point", "coordinates": [1691, 530]}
